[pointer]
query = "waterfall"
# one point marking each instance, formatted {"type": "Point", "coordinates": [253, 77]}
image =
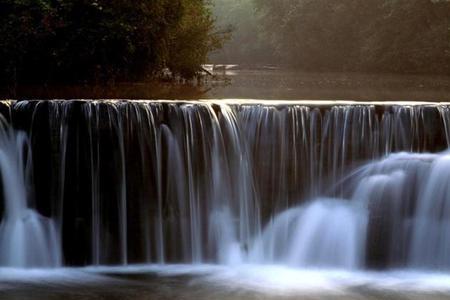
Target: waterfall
{"type": "Point", "coordinates": [302, 184]}
{"type": "Point", "coordinates": [325, 233]}
{"type": "Point", "coordinates": [403, 197]}
{"type": "Point", "coordinates": [27, 239]}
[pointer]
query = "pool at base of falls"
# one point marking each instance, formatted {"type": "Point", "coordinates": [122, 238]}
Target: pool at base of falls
{"type": "Point", "coordinates": [219, 282]}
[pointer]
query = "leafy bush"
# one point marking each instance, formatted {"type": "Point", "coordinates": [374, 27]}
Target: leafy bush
{"type": "Point", "coordinates": [87, 40]}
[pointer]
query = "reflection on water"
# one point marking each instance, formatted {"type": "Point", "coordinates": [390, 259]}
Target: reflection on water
{"type": "Point", "coordinates": [277, 83]}
{"type": "Point", "coordinates": [260, 82]}
{"type": "Point", "coordinates": [219, 282]}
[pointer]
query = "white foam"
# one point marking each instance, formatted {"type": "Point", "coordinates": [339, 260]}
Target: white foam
{"type": "Point", "coordinates": [266, 279]}
{"type": "Point", "coordinates": [284, 280]}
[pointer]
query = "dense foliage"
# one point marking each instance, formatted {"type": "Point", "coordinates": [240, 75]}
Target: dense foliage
{"type": "Point", "coordinates": [86, 40]}
{"type": "Point", "coordinates": [396, 36]}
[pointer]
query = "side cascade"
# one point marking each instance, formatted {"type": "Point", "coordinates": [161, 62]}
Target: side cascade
{"type": "Point", "coordinates": [27, 239]}
{"type": "Point", "coordinates": [336, 185]}
{"type": "Point", "coordinates": [398, 206]}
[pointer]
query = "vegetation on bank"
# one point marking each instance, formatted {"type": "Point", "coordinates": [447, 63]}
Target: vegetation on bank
{"type": "Point", "coordinates": [387, 36]}
{"type": "Point", "coordinates": [63, 41]}
{"type": "Point", "coordinates": [96, 41]}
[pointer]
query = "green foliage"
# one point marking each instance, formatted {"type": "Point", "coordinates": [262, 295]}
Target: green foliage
{"type": "Point", "coordinates": [191, 41]}
{"type": "Point", "coordinates": [413, 36]}
{"type": "Point", "coordinates": [248, 43]}
{"type": "Point", "coordinates": [85, 40]}
{"type": "Point", "coordinates": [396, 36]}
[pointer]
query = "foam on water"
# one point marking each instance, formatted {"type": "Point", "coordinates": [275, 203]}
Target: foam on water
{"type": "Point", "coordinates": [279, 279]}
{"type": "Point", "coordinates": [323, 233]}
{"type": "Point", "coordinates": [27, 239]}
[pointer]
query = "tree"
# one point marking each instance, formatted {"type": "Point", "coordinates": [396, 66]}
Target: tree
{"type": "Point", "coordinates": [411, 36]}
{"type": "Point", "coordinates": [248, 43]}
{"type": "Point", "coordinates": [86, 40]}
{"type": "Point", "coordinates": [194, 37]}
{"type": "Point", "coordinates": [396, 36]}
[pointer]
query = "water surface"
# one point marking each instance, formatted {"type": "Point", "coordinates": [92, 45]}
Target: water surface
{"type": "Point", "coordinates": [219, 282]}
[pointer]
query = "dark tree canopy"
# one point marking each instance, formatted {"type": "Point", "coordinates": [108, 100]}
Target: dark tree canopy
{"type": "Point", "coordinates": [87, 40]}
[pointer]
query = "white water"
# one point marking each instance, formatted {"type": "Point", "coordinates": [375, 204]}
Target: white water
{"type": "Point", "coordinates": [324, 233]}
{"type": "Point", "coordinates": [333, 233]}
{"type": "Point", "coordinates": [229, 183]}
{"type": "Point", "coordinates": [236, 183]}
{"type": "Point", "coordinates": [27, 239]}
{"type": "Point", "coordinates": [279, 280]}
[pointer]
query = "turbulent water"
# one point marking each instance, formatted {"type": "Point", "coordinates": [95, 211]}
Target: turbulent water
{"type": "Point", "coordinates": [27, 239]}
{"type": "Point", "coordinates": [301, 184]}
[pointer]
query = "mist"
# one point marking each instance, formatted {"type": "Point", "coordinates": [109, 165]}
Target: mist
{"type": "Point", "coordinates": [367, 36]}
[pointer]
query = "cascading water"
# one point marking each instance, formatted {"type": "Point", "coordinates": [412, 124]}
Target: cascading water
{"type": "Point", "coordinates": [404, 199]}
{"type": "Point", "coordinates": [307, 185]}
{"type": "Point", "coordinates": [325, 233]}
{"type": "Point", "coordinates": [27, 239]}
